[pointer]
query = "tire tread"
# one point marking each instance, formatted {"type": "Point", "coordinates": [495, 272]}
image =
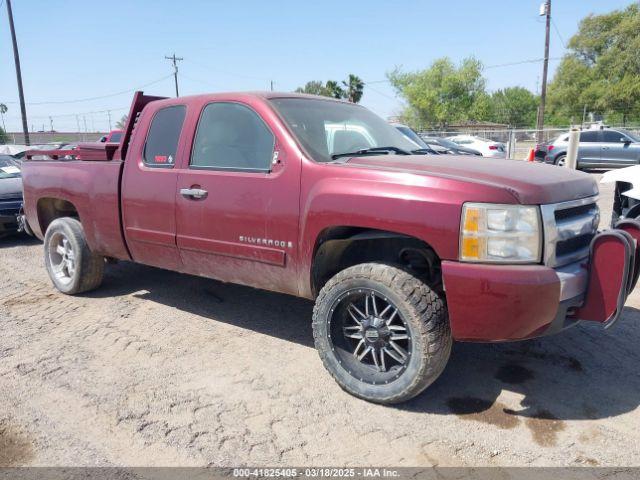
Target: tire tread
{"type": "Point", "coordinates": [430, 310]}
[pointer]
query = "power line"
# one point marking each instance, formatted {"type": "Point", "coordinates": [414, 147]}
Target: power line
{"type": "Point", "coordinates": [521, 62]}
{"type": "Point", "coordinates": [223, 72]}
{"type": "Point", "coordinates": [62, 115]}
{"type": "Point", "coordinates": [555, 27]}
{"type": "Point", "coordinates": [100, 97]}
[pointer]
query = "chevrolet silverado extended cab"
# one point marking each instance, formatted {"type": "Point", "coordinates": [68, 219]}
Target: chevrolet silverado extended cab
{"type": "Point", "coordinates": [319, 198]}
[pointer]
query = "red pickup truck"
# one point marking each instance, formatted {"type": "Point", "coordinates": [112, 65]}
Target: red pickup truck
{"type": "Point", "coordinates": [319, 198]}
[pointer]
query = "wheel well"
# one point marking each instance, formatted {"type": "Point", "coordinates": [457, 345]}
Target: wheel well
{"type": "Point", "coordinates": [51, 208]}
{"type": "Point", "coordinates": [338, 248]}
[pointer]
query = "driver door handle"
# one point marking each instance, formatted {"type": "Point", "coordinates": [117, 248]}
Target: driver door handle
{"type": "Point", "coordinates": [193, 193]}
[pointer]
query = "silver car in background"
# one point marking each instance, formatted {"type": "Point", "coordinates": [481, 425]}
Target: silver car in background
{"type": "Point", "coordinates": [598, 148]}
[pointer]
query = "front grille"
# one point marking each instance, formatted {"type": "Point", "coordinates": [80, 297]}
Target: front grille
{"type": "Point", "coordinates": [569, 228]}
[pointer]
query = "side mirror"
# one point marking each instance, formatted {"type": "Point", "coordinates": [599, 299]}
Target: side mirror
{"type": "Point", "coordinates": [625, 140]}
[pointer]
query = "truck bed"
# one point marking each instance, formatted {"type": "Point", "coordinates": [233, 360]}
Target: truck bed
{"type": "Point", "coordinates": [93, 186]}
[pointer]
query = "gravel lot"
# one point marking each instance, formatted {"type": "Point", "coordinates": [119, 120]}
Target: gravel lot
{"type": "Point", "coordinates": [157, 368]}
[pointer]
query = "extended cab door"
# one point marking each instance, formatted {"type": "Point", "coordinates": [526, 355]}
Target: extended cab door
{"type": "Point", "coordinates": [237, 199]}
{"type": "Point", "coordinates": [149, 186]}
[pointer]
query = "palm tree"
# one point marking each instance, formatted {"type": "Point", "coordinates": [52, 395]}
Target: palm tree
{"type": "Point", "coordinates": [354, 88]}
{"type": "Point", "coordinates": [334, 89]}
{"type": "Point", "coordinates": [3, 110]}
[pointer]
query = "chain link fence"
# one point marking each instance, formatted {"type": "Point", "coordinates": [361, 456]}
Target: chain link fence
{"type": "Point", "coordinates": [518, 142]}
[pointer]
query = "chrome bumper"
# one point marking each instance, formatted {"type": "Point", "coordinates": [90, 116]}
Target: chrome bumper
{"type": "Point", "coordinates": [573, 279]}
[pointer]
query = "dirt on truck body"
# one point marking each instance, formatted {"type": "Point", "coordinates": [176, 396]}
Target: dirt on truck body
{"type": "Point", "coordinates": [403, 253]}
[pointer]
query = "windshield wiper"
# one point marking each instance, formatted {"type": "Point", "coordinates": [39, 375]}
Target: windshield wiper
{"type": "Point", "coordinates": [370, 151]}
{"type": "Point", "coordinates": [423, 151]}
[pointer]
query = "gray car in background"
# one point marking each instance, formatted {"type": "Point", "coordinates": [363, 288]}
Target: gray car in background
{"type": "Point", "coordinates": [598, 148]}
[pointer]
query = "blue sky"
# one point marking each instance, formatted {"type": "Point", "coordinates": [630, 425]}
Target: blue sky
{"type": "Point", "coordinates": [73, 50]}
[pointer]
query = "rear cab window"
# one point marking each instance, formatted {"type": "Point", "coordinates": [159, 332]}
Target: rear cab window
{"type": "Point", "coordinates": [162, 140]}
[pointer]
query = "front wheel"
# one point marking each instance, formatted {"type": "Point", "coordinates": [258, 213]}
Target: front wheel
{"type": "Point", "coordinates": [381, 332]}
{"type": "Point", "coordinates": [72, 266]}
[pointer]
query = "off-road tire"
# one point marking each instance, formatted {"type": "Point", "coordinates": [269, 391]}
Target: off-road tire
{"type": "Point", "coordinates": [422, 309]}
{"type": "Point", "coordinates": [89, 267]}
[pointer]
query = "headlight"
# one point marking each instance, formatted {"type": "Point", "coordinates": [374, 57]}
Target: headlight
{"type": "Point", "coordinates": [500, 233]}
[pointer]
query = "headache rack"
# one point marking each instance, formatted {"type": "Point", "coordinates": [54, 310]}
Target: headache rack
{"type": "Point", "coordinates": [100, 151]}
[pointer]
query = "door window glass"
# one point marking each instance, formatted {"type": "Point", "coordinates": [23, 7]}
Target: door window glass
{"type": "Point", "coordinates": [231, 136]}
{"type": "Point", "coordinates": [162, 140]}
{"type": "Point", "coordinates": [590, 137]}
{"type": "Point", "coordinates": [611, 136]}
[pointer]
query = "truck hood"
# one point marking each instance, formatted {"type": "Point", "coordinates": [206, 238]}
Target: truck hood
{"type": "Point", "coordinates": [10, 187]}
{"type": "Point", "coordinates": [529, 183]}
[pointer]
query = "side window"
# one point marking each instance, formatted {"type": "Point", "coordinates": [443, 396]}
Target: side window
{"type": "Point", "coordinates": [231, 136]}
{"type": "Point", "coordinates": [611, 136]}
{"type": "Point", "coordinates": [590, 136]}
{"type": "Point", "coordinates": [162, 139]}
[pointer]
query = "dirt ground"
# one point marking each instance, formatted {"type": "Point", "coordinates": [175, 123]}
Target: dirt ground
{"type": "Point", "coordinates": [157, 368]}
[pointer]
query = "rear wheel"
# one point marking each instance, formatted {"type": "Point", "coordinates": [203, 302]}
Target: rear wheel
{"type": "Point", "coordinates": [561, 160]}
{"type": "Point", "coordinates": [72, 266]}
{"type": "Point", "coordinates": [381, 332]}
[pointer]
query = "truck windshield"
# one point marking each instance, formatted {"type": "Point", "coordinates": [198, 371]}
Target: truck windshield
{"type": "Point", "coordinates": [327, 129]}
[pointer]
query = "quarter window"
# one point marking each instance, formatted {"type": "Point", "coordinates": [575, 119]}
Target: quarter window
{"type": "Point", "coordinates": [162, 140]}
{"type": "Point", "coordinates": [231, 136]}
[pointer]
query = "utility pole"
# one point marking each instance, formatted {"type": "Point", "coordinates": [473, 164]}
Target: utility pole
{"type": "Point", "coordinates": [272, 85]}
{"type": "Point", "coordinates": [78, 123]}
{"type": "Point", "coordinates": [51, 123]}
{"type": "Point", "coordinates": [174, 60]}
{"type": "Point", "coordinates": [16, 57]}
{"type": "Point", "coordinates": [545, 69]}
{"type": "Point", "coordinates": [109, 115]}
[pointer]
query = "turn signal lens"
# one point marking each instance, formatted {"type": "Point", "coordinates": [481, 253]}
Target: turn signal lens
{"type": "Point", "coordinates": [496, 233]}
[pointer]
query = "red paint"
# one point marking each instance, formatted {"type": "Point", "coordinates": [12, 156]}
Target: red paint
{"type": "Point", "coordinates": [261, 229]}
{"type": "Point", "coordinates": [608, 276]}
{"type": "Point", "coordinates": [494, 302]}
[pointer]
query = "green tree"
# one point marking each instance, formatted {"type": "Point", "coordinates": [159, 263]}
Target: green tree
{"type": "Point", "coordinates": [4, 138]}
{"type": "Point", "coordinates": [334, 89]}
{"type": "Point", "coordinates": [314, 87]}
{"type": "Point", "coordinates": [3, 110]}
{"type": "Point", "coordinates": [601, 71]}
{"type": "Point", "coordinates": [514, 106]}
{"type": "Point", "coordinates": [443, 93]}
{"type": "Point", "coordinates": [354, 88]}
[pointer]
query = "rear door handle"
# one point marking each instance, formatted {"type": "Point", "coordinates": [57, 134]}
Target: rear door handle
{"type": "Point", "coordinates": [193, 193]}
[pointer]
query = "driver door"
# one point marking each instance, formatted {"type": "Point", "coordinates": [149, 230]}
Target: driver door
{"type": "Point", "coordinates": [237, 201]}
